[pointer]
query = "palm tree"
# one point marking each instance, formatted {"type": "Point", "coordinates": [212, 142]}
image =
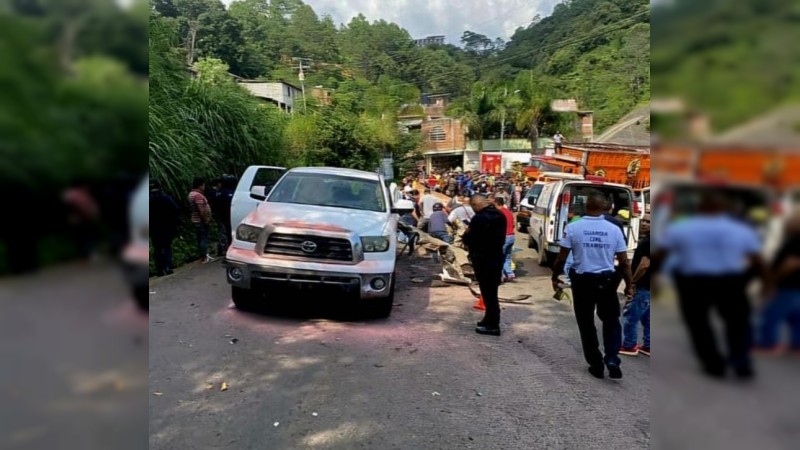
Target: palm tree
{"type": "Point", "coordinates": [473, 111]}
{"type": "Point", "coordinates": [532, 105]}
{"type": "Point", "coordinates": [504, 108]}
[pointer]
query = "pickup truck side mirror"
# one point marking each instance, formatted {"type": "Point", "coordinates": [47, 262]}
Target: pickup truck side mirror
{"type": "Point", "coordinates": [258, 193]}
{"type": "Point", "coordinates": [403, 207]}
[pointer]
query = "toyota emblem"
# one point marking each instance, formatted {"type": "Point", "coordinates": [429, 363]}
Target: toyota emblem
{"type": "Point", "coordinates": [309, 246]}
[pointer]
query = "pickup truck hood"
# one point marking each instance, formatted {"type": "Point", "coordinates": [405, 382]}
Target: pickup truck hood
{"type": "Point", "coordinates": [321, 218]}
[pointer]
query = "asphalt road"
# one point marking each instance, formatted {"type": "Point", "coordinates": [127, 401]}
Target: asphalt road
{"type": "Point", "coordinates": [73, 352]}
{"type": "Point", "coordinates": [316, 376]}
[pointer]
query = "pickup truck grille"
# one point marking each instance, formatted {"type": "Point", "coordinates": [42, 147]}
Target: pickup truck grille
{"type": "Point", "coordinates": [314, 247]}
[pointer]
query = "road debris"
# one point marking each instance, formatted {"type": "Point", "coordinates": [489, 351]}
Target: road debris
{"type": "Point", "coordinates": [378, 365]}
{"type": "Point", "coordinates": [224, 387]}
{"type": "Point", "coordinates": [314, 414]}
{"type": "Point", "coordinates": [276, 424]}
{"type": "Point", "coordinates": [209, 386]}
{"type": "Point", "coordinates": [418, 280]}
{"type": "Point", "coordinates": [234, 340]}
{"type": "Point", "coordinates": [436, 394]}
{"type": "Point", "coordinates": [158, 394]}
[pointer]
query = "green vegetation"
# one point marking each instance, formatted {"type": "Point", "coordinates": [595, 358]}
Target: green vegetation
{"type": "Point", "coordinates": [206, 125]}
{"type": "Point", "coordinates": [75, 96]}
{"type": "Point", "coordinates": [731, 60]}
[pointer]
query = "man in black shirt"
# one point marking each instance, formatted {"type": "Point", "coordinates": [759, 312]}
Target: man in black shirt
{"type": "Point", "coordinates": [485, 239]}
{"type": "Point", "coordinates": [637, 309]}
{"type": "Point", "coordinates": [784, 292]}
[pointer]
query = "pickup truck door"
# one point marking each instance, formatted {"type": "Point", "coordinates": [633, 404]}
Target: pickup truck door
{"type": "Point", "coordinates": [243, 203]}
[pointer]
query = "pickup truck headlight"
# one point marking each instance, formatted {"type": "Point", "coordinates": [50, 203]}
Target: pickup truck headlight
{"type": "Point", "coordinates": [374, 244]}
{"type": "Point", "coordinates": [247, 233]}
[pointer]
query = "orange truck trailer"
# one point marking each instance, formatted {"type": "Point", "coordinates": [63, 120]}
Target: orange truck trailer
{"type": "Point", "coordinates": [615, 163]}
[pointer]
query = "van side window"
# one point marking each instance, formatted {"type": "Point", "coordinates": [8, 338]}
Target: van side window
{"type": "Point", "coordinates": [544, 198]}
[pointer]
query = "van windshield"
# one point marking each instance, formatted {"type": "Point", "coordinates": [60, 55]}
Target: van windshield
{"type": "Point", "coordinates": [619, 200]}
{"type": "Point", "coordinates": [329, 190]}
{"type": "Point", "coordinates": [533, 193]}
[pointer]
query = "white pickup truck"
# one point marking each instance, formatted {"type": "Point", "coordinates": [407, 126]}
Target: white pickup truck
{"type": "Point", "coordinates": [328, 231]}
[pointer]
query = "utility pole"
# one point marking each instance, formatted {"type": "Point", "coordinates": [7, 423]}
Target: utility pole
{"type": "Point", "coordinates": [503, 121]}
{"type": "Point", "coordinates": [302, 76]}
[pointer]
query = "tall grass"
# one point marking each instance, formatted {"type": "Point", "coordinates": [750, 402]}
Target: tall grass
{"type": "Point", "coordinates": [204, 129]}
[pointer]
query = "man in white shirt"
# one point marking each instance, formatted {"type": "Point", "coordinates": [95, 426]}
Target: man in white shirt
{"type": "Point", "coordinates": [427, 203]}
{"type": "Point", "coordinates": [595, 243]}
{"type": "Point", "coordinates": [557, 139]}
{"type": "Point", "coordinates": [460, 217]}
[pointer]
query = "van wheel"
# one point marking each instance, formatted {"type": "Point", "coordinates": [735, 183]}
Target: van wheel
{"type": "Point", "coordinates": [382, 308]}
{"type": "Point", "coordinates": [244, 299]}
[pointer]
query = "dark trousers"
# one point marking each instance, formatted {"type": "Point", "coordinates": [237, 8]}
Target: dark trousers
{"type": "Point", "coordinates": [223, 236]}
{"type": "Point", "coordinates": [698, 295]}
{"type": "Point", "coordinates": [590, 292]}
{"type": "Point", "coordinates": [202, 238]}
{"type": "Point", "coordinates": [489, 272]}
{"type": "Point", "coordinates": [162, 247]}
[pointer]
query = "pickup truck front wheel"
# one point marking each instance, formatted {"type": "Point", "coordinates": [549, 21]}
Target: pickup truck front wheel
{"type": "Point", "coordinates": [382, 307]}
{"type": "Point", "coordinates": [244, 299]}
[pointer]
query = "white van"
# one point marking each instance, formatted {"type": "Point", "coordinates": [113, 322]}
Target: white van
{"type": "Point", "coordinates": [550, 213]}
{"type": "Point", "coordinates": [528, 203]}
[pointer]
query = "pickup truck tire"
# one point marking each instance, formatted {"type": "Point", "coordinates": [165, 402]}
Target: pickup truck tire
{"type": "Point", "coordinates": [142, 296]}
{"type": "Point", "coordinates": [382, 307]}
{"type": "Point", "coordinates": [244, 299]}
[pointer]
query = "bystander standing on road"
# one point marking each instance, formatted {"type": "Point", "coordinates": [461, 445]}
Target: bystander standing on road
{"type": "Point", "coordinates": [595, 243]}
{"type": "Point", "coordinates": [637, 309]}
{"type": "Point", "coordinates": [484, 239]}
{"type": "Point", "coordinates": [201, 217]}
{"type": "Point", "coordinates": [783, 297]}
{"type": "Point", "coordinates": [508, 248]}
{"type": "Point", "coordinates": [715, 256]}
{"type": "Point", "coordinates": [164, 219]}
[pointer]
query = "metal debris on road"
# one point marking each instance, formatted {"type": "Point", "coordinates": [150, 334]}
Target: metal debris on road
{"type": "Point", "coordinates": [224, 387]}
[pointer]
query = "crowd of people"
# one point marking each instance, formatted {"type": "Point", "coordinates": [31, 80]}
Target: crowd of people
{"type": "Point", "coordinates": [475, 211]}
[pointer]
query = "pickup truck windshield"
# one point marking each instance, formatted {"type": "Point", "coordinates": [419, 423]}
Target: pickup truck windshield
{"type": "Point", "coordinates": [329, 190]}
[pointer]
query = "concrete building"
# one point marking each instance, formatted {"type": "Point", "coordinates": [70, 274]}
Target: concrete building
{"type": "Point", "coordinates": [444, 143]}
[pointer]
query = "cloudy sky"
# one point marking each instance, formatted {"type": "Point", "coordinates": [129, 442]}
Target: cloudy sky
{"type": "Point", "coordinates": [494, 18]}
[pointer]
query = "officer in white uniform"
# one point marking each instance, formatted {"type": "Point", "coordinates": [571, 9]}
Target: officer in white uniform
{"type": "Point", "coordinates": [715, 258]}
{"type": "Point", "coordinates": [594, 243]}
